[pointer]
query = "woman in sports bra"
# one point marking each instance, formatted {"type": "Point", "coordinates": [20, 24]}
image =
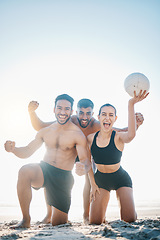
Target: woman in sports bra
{"type": "Point", "coordinates": [106, 147]}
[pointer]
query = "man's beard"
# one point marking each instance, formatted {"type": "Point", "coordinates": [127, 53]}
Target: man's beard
{"type": "Point", "coordinates": [63, 122]}
{"type": "Point", "coordinates": [88, 121]}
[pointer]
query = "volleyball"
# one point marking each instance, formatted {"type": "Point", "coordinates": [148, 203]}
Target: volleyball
{"type": "Point", "coordinates": [136, 82]}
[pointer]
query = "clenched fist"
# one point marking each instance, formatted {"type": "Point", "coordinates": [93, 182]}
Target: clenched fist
{"type": "Point", "coordinates": [33, 105]}
{"type": "Point", "coordinates": [9, 146]}
{"type": "Point", "coordinates": [139, 119]}
{"type": "Point", "coordinates": [80, 169]}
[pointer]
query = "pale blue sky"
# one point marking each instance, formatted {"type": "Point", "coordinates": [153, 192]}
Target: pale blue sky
{"type": "Point", "coordinates": [85, 48]}
{"type": "Point", "coordinates": [123, 33]}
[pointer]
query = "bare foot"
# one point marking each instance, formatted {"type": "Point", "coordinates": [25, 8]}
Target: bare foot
{"type": "Point", "coordinates": [86, 220]}
{"type": "Point", "coordinates": [22, 224]}
{"type": "Point", "coordinates": [46, 220]}
{"type": "Point", "coordinates": [104, 221]}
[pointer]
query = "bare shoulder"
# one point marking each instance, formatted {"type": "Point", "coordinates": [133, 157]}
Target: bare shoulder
{"type": "Point", "coordinates": [118, 137]}
{"type": "Point", "coordinates": [90, 137]}
{"type": "Point", "coordinates": [44, 130]}
{"type": "Point", "coordinates": [77, 133]}
{"type": "Point", "coordinates": [118, 140]}
{"type": "Point", "coordinates": [40, 134]}
{"type": "Point", "coordinates": [74, 119]}
{"type": "Point", "coordinates": [95, 125]}
{"type": "Point", "coordinates": [75, 129]}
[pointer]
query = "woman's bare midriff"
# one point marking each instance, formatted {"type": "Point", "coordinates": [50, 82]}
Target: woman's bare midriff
{"type": "Point", "coordinates": [108, 168]}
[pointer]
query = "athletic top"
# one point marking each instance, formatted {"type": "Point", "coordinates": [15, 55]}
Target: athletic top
{"type": "Point", "coordinates": [106, 155]}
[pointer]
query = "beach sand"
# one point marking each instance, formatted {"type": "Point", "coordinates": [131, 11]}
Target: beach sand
{"type": "Point", "coordinates": [147, 226]}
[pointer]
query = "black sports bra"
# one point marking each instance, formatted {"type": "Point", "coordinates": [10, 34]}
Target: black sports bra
{"type": "Point", "coordinates": [106, 155]}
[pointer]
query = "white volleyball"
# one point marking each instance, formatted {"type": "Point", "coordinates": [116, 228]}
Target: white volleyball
{"type": "Point", "coordinates": [136, 82]}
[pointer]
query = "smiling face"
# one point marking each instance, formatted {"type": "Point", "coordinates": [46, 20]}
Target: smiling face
{"type": "Point", "coordinates": [63, 111]}
{"type": "Point", "coordinates": [84, 116]}
{"type": "Point", "coordinates": [107, 117]}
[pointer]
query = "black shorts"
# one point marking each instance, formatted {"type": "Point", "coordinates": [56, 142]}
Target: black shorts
{"type": "Point", "coordinates": [58, 184]}
{"type": "Point", "coordinates": [113, 181]}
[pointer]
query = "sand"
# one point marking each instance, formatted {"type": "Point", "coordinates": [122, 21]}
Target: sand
{"type": "Point", "coordinates": [146, 228]}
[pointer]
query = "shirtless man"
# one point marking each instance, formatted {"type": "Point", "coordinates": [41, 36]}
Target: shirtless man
{"type": "Point", "coordinates": [63, 140]}
{"type": "Point", "coordinates": [88, 124]}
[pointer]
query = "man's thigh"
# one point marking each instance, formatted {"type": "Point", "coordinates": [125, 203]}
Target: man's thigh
{"type": "Point", "coordinates": [34, 174]}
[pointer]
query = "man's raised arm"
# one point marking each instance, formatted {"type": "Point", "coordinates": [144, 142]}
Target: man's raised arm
{"type": "Point", "coordinates": [139, 121]}
{"type": "Point", "coordinates": [27, 151]}
{"type": "Point", "coordinates": [35, 121]}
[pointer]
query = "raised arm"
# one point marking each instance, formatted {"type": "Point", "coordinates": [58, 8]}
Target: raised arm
{"type": "Point", "coordinates": [27, 151]}
{"type": "Point", "coordinates": [139, 121]}
{"type": "Point", "coordinates": [35, 121]}
{"type": "Point", "coordinates": [126, 137]}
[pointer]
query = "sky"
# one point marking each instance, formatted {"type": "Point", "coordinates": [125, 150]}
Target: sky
{"type": "Point", "coordinates": [85, 48]}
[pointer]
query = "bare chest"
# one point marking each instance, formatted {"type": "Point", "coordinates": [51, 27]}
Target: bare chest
{"type": "Point", "coordinates": [62, 141]}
